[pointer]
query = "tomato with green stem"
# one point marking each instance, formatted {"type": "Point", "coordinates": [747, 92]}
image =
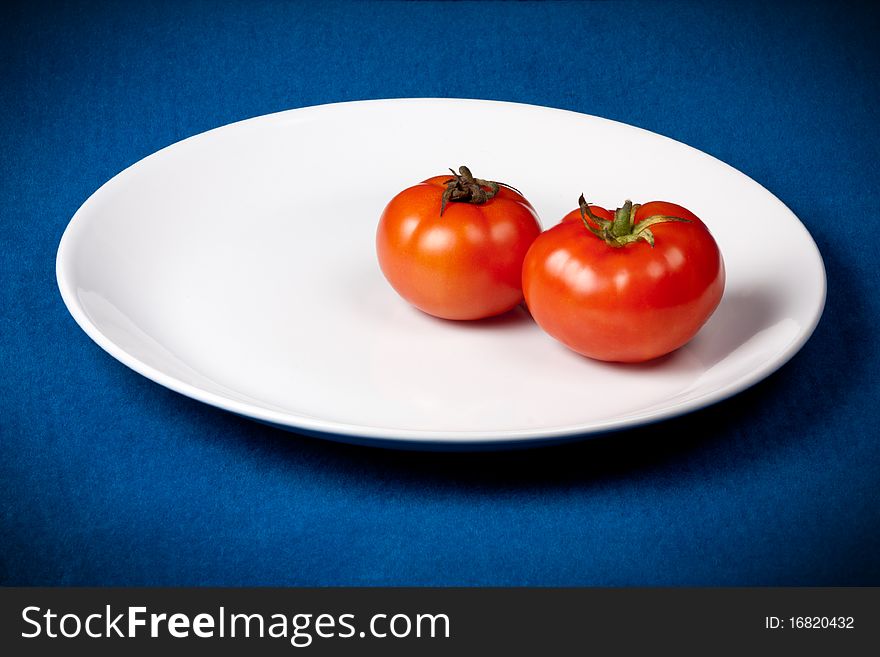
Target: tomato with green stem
{"type": "Point", "coordinates": [454, 247]}
{"type": "Point", "coordinates": [625, 286]}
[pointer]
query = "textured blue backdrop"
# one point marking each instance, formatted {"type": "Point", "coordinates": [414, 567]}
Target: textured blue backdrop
{"type": "Point", "coordinates": [107, 478]}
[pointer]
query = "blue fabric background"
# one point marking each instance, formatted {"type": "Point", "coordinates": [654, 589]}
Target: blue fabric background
{"type": "Point", "coordinates": [107, 478]}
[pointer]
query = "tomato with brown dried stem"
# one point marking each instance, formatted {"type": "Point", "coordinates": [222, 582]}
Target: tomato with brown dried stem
{"type": "Point", "coordinates": [454, 246]}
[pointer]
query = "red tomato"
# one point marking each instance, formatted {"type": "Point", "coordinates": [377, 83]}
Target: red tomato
{"type": "Point", "coordinates": [454, 246]}
{"type": "Point", "coordinates": [625, 286]}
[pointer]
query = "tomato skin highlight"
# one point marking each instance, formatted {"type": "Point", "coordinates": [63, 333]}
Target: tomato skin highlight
{"type": "Point", "coordinates": [465, 264]}
{"type": "Point", "coordinates": [627, 304]}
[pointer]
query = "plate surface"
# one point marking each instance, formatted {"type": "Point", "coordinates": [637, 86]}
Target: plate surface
{"type": "Point", "coordinates": [238, 267]}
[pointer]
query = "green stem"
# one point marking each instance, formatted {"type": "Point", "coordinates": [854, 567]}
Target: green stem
{"type": "Point", "coordinates": [623, 230]}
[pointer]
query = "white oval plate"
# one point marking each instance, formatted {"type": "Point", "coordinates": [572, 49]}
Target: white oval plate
{"type": "Point", "coordinates": [237, 267]}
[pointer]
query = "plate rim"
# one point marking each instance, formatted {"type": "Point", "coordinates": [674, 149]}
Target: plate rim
{"type": "Point", "coordinates": [422, 438]}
